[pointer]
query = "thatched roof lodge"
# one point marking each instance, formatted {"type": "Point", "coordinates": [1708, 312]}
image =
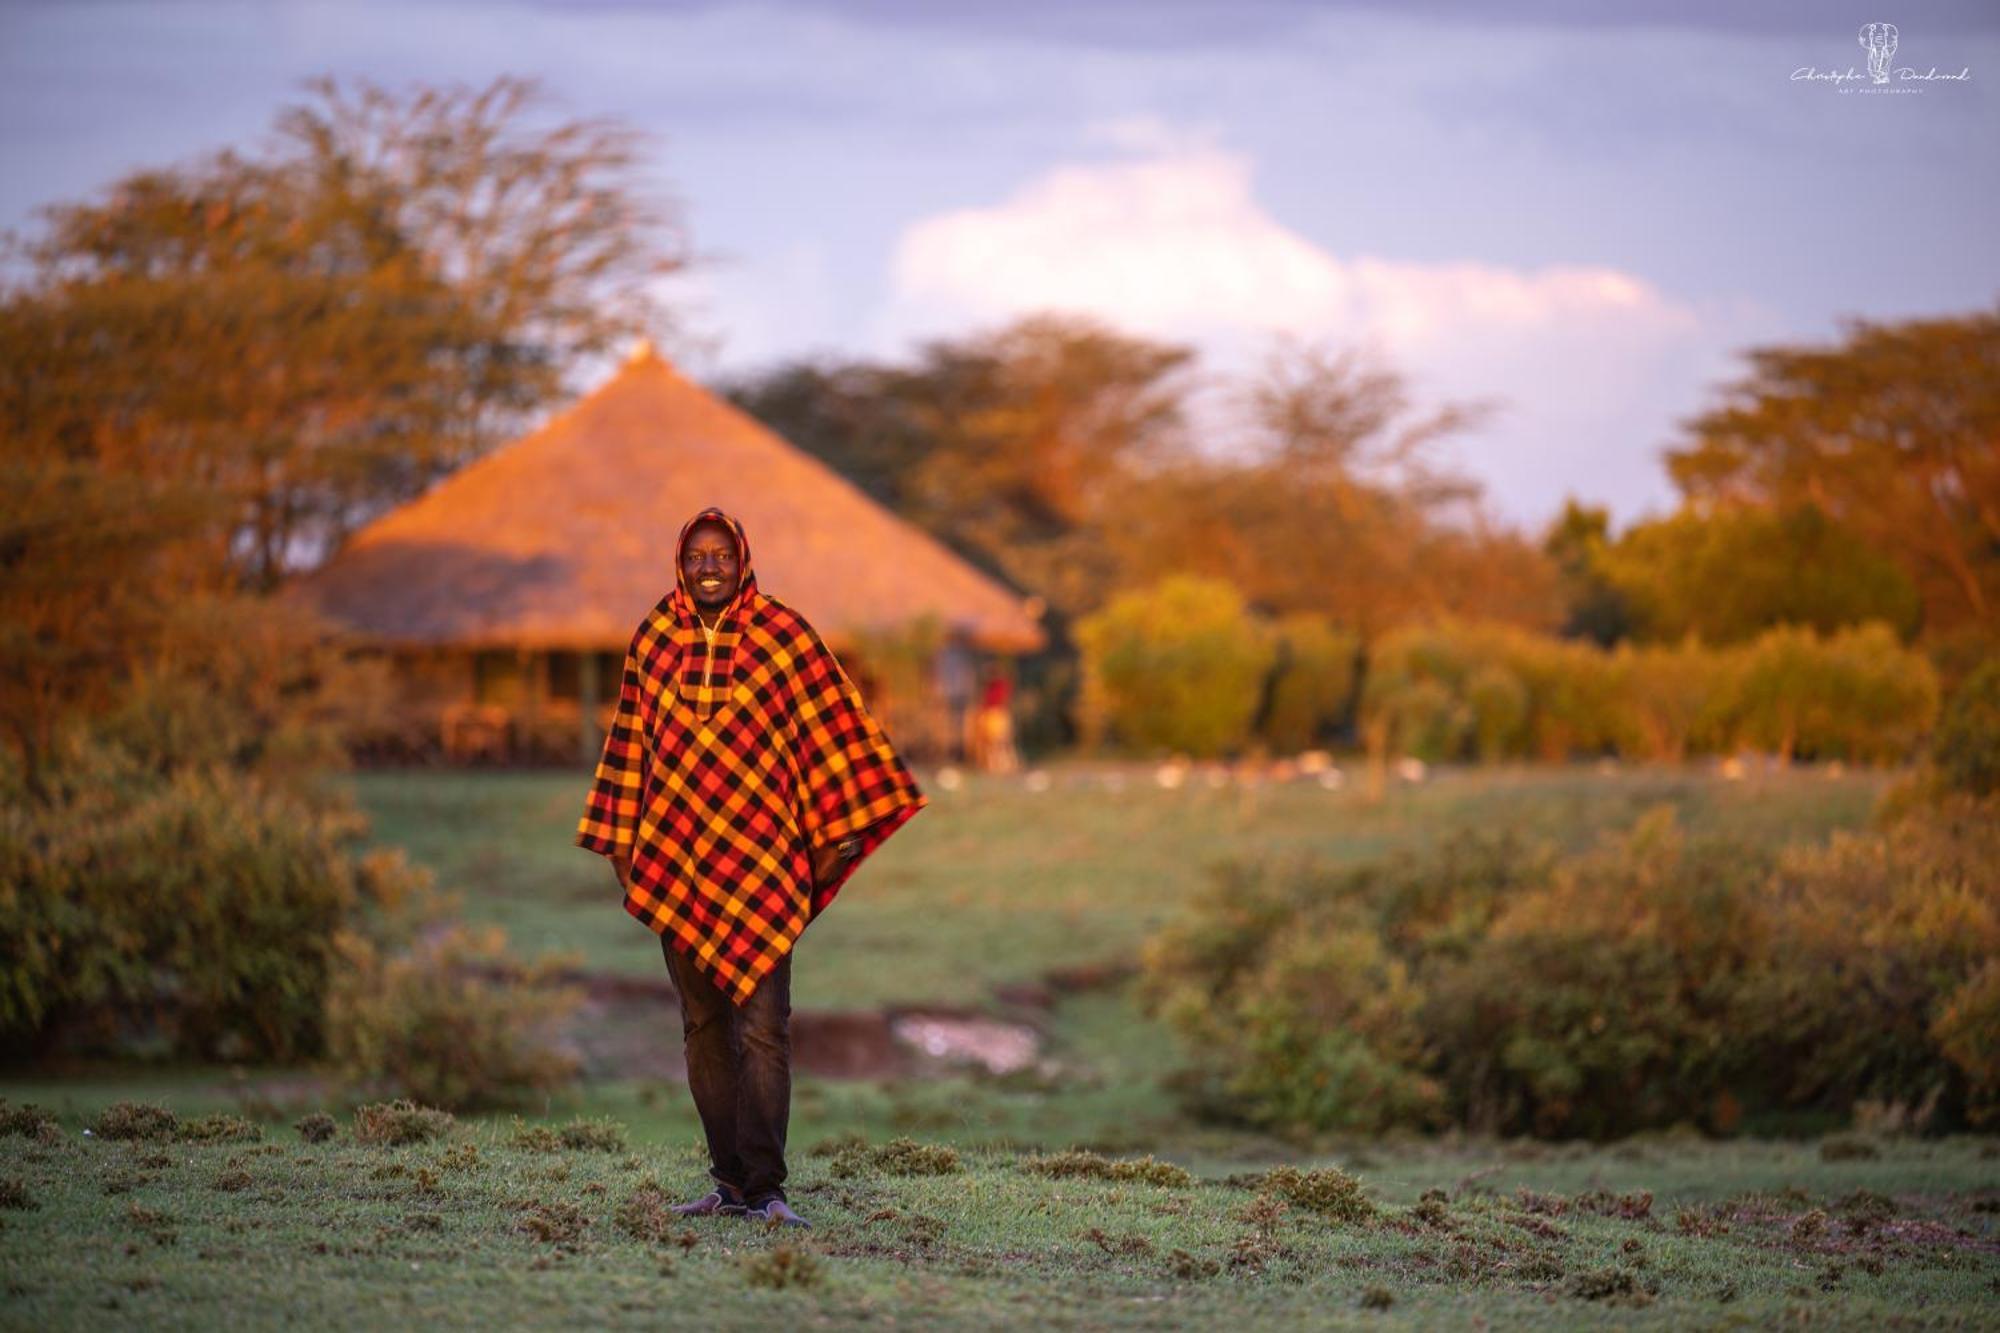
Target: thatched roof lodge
{"type": "Point", "coordinates": [508, 592]}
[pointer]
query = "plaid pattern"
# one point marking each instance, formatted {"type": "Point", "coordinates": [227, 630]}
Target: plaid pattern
{"type": "Point", "coordinates": [725, 767]}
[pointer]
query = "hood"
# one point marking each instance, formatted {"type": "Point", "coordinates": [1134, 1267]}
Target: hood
{"type": "Point", "coordinates": [684, 595]}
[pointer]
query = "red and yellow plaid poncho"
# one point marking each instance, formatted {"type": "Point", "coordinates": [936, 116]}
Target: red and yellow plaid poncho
{"type": "Point", "coordinates": [727, 767]}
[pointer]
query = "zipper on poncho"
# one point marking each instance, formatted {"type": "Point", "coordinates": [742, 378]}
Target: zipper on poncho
{"type": "Point", "coordinates": [707, 665]}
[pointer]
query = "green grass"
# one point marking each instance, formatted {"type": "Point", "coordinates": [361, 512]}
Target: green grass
{"type": "Point", "coordinates": [996, 883]}
{"type": "Point", "coordinates": [341, 1235]}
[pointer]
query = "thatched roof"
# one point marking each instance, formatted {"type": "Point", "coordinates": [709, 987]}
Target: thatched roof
{"type": "Point", "coordinates": [564, 539]}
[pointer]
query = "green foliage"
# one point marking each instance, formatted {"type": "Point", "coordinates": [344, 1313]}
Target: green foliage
{"type": "Point", "coordinates": [1730, 575]}
{"type": "Point", "coordinates": [387, 286]}
{"type": "Point", "coordinates": [395, 1124]}
{"type": "Point", "coordinates": [26, 1121]}
{"type": "Point", "coordinates": [1856, 694]}
{"type": "Point", "coordinates": [135, 1121]}
{"type": "Point", "coordinates": [1461, 690]}
{"type": "Point", "coordinates": [1872, 935]}
{"type": "Point", "coordinates": [579, 1135]}
{"type": "Point", "coordinates": [202, 903]}
{"type": "Point", "coordinates": [1327, 1191]}
{"type": "Point", "coordinates": [1576, 541]}
{"type": "Point", "coordinates": [897, 1157]}
{"type": "Point", "coordinates": [1314, 675]}
{"type": "Point", "coordinates": [1078, 1164]}
{"type": "Point", "coordinates": [1966, 747]}
{"type": "Point", "coordinates": [319, 1127]}
{"type": "Point", "coordinates": [1967, 1029]}
{"type": "Point", "coordinates": [1179, 666]}
{"type": "Point", "coordinates": [218, 1128]}
{"type": "Point", "coordinates": [453, 1022]}
{"type": "Point", "coordinates": [1654, 979]}
{"type": "Point", "coordinates": [1889, 433]}
{"type": "Point", "coordinates": [783, 1266]}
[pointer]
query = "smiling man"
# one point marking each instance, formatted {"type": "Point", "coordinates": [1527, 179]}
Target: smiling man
{"type": "Point", "coordinates": [742, 783]}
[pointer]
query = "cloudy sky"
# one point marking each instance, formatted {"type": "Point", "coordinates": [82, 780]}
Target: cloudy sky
{"type": "Point", "coordinates": [1581, 209]}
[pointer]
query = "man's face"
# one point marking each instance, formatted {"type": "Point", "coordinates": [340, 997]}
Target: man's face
{"type": "Point", "coordinates": [709, 565]}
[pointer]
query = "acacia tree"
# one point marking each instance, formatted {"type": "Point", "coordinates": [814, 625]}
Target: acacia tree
{"type": "Point", "coordinates": [1894, 433]}
{"type": "Point", "coordinates": [1335, 501]}
{"type": "Point", "coordinates": [1014, 445]}
{"type": "Point", "coordinates": [214, 372]}
{"type": "Point", "coordinates": [318, 331]}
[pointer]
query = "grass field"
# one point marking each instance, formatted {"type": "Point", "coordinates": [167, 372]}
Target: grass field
{"type": "Point", "coordinates": [995, 884]}
{"type": "Point", "coordinates": [340, 1235]}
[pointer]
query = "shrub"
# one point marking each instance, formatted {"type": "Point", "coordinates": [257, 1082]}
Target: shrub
{"type": "Point", "coordinates": [1652, 980]}
{"type": "Point", "coordinates": [1090, 1165]}
{"type": "Point", "coordinates": [1311, 683]}
{"type": "Point", "coordinates": [1328, 1191]}
{"type": "Point", "coordinates": [1673, 699]}
{"type": "Point", "coordinates": [579, 1135]}
{"type": "Point", "coordinates": [1967, 1030]}
{"type": "Point", "coordinates": [645, 1213]}
{"type": "Point", "coordinates": [1293, 983]}
{"type": "Point", "coordinates": [201, 904]}
{"type": "Point", "coordinates": [1872, 933]}
{"type": "Point", "coordinates": [1178, 666]}
{"type": "Point", "coordinates": [898, 1157]}
{"type": "Point", "coordinates": [1966, 747]}
{"type": "Point", "coordinates": [454, 1022]}
{"type": "Point", "coordinates": [1588, 1006]}
{"type": "Point", "coordinates": [27, 1121]}
{"type": "Point", "coordinates": [135, 1120]}
{"type": "Point", "coordinates": [1857, 693]}
{"type": "Point", "coordinates": [319, 1127]}
{"type": "Point", "coordinates": [394, 1124]}
{"type": "Point", "coordinates": [218, 1129]}
{"type": "Point", "coordinates": [782, 1266]}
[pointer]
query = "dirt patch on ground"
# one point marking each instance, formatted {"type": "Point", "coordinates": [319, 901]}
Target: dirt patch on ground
{"type": "Point", "coordinates": [630, 1027]}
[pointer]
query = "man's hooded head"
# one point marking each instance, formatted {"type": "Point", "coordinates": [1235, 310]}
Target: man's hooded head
{"type": "Point", "coordinates": [714, 560]}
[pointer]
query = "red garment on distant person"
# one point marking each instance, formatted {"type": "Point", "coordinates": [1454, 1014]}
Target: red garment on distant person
{"type": "Point", "coordinates": [998, 692]}
{"type": "Point", "coordinates": [727, 766]}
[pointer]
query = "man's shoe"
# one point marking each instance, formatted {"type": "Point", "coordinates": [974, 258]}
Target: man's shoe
{"type": "Point", "coordinates": [777, 1212]}
{"type": "Point", "coordinates": [715, 1203]}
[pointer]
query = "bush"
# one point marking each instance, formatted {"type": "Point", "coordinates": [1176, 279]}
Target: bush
{"type": "Point", "coordinates": [394, 1124]}
{"type": "Point", "coordinates": [453, 1022]}
{"type": "Point", "coordinates": [897, 1157]}
{"type": "Point", "coordinates": [1095, 1166]}
{"type": "Point", "coordinates": [200, 905]}
{"type": "Point", "coordinates": [1870, 935]}
{"type": "Point", "coordinates": [1653, 980]}
{"type": "Point", "coordinates": [1967, 1029]}
{"type": "Point", "coordinates": [1328, 1191]}
{"type": "Point", "coordinates": [1458, 689]}
{"type": "Point", "coordinates": [319, 1127]}
{"type": "Point", "coordinates": [1179, 666]}
{"type": "Point", "coordinates": [135, 1121]}
{"type": "Point", "coordinates": [1856, 694]}
{"type": "Point", "coordinates": [1966, 748]}
{"type": "Point", "coordinates": [579, 1135]}
{"type": "Point", "coordinates": [218, 1129]}
{"type": "Point", "coordinates": [1314, 676]}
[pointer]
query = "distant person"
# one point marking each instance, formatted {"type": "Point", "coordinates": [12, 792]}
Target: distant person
{"type": "Point", "coordinates": [742, 783]}
{"type": "Point", "coordinates": [996, 726]}
{"type": "Point", "coordinates": [954, 673]}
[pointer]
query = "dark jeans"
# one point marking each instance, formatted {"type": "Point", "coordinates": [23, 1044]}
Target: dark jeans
{"type": "Point", "coordinates": [739, 1063]}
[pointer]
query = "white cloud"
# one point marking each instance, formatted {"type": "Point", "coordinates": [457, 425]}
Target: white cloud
{"type": "Point", "coordinates": [1175, 243]}
{"type": "Point", "coordinates": [1172, 242]}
